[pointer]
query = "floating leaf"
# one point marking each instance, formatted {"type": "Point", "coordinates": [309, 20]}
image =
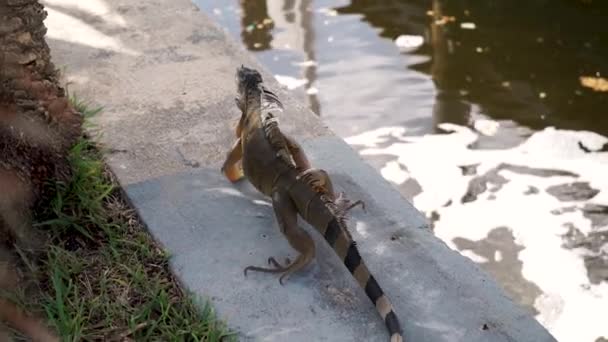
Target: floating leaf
{"type": "Point", "coordinates": [595, 83]}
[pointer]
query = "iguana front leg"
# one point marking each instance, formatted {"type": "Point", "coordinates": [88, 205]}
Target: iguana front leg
{"type": "Point", "coordinates": [287, 217]}
{"type": "Point", "coordinates": [239, 125]}
{"type": "Point", "coordinates": [232, 168]}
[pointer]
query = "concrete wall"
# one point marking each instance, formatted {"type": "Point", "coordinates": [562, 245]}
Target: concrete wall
{"type": "Point", "coordinates": [165, 76]}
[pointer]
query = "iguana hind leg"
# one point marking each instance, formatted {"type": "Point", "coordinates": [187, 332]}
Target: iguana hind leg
{"type": "Point", "coordinates": [317, 178]}
{"type": "Point", "coordinates": [287, 217]}
{"type": "Point", "coordinates": [232, 168]}
{"type": "Point", "coordinates": [320, 182]}
{"type": "Point", "coordinates": [275, 263]}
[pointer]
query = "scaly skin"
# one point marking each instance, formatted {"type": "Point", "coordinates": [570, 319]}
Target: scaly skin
{"type": "Point", "coordinates": [277, 166]}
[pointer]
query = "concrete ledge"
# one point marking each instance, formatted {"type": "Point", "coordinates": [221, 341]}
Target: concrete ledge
{"type": "Point", "coordinates": [165, 77]}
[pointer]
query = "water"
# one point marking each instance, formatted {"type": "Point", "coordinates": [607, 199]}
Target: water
{"type": "Point", "coordinates": [491, 117]}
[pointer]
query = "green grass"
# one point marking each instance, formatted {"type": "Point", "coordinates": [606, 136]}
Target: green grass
{"type": "Point", "coordinates": [104, 277]}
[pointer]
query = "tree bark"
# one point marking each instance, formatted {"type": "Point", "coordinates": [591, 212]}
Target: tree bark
{"type": "Point", "coordinates": [38, 125]}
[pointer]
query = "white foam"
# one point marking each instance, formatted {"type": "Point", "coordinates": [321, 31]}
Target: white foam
{"type": "Point", "coordinates": [393, 171]}
{"type": "Point", "coordinates": [290, 82]}
{"type": "Point", "coordinates": [486, 127]}
{"type": "Point", "coordinates": [571, 307]}
{"type": "Point", "coordinates": [497, 256]}
{"type": "Point", "coordinates": [409, 42]}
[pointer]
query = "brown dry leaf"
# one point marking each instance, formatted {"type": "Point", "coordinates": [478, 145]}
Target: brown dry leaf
{"type": "Point", "coordinates": [595, 83]}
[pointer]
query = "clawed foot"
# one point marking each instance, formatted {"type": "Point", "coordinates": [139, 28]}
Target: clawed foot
{"type": "Point", "coordinates": [356, 203]}
{"type": "Point", "coordinates": [345, 205]}
{"type": "Point", "coordinates": [276, 268]}
{"type": "Point", "coordinates": [273, 262]}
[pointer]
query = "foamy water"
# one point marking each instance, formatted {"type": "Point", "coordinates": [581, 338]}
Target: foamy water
{"type": "Point", "coordinates": [536, 192]}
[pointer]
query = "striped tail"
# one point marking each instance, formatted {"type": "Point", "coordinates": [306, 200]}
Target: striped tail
{"type": "Point", "coordinates": [339, 239]}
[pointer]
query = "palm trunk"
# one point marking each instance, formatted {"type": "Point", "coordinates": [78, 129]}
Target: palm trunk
{"type": "Point", "coordinates": [37, 124]}
{"type": "Point", "coordinates": [37, 128]}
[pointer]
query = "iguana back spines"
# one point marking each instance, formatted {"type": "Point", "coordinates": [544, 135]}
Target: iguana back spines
{"type": "Point", "coordinates": [270, 123]}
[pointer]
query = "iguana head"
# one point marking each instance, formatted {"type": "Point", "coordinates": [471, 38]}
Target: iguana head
{"type": "Point", "coordinates": [249, 88]}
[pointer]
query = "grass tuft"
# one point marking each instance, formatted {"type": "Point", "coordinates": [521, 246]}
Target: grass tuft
{"type": "Point", "coordinates": [104, 277]}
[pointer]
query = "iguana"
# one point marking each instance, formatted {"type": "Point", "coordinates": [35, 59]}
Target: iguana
{"type": "Point", "coordinates": [276, 165]}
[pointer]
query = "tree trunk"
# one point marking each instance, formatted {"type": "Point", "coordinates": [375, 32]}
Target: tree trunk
{"type": "Point", "coordinates": [38, 125]}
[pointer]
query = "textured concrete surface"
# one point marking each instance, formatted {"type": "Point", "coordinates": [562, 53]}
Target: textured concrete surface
{"type": "Point", "coordinates": [166, 80]}
{"type": "Point", "coordinates": [218, 229]}
{"type": "Point", "coordinates": [164, 74]}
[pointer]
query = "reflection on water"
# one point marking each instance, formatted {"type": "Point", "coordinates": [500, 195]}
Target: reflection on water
{"type": "Point", "coordinates": [524, 66]}
{"type": "Point", "coordinates": [502, 71]}
{"type": "Point", "coordinates": [293, 18]}
{"type": "Point", "coordinates": [256, 25]}
{"type": "Point", "coordinates": [522, 69]}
